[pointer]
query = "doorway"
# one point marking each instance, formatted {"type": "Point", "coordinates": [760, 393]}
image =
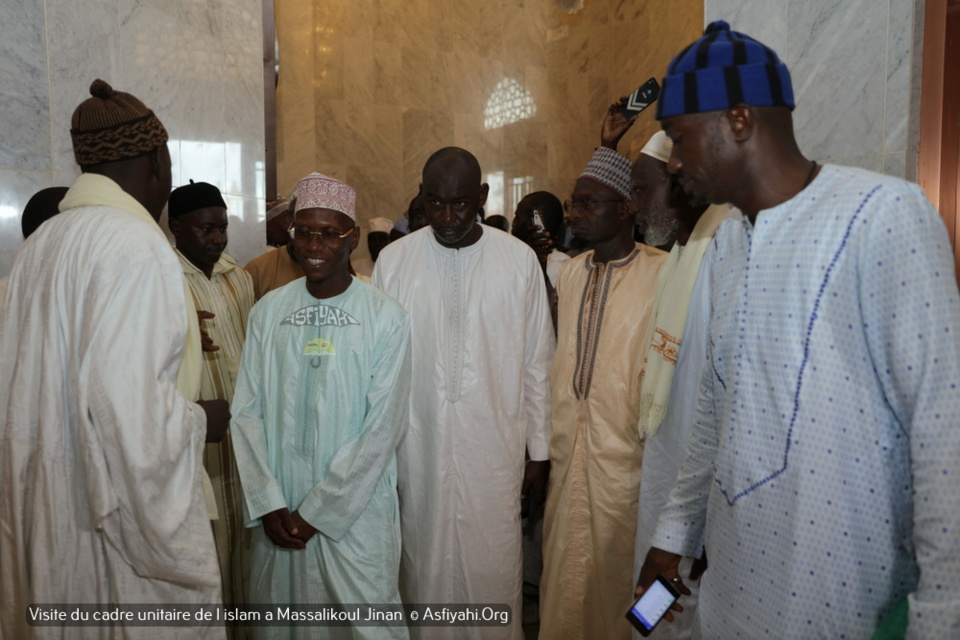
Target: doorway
{"type": "Point", "coordinates": [939, 142]}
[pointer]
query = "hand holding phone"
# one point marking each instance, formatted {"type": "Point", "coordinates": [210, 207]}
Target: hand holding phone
{"type": "Point", "coordinates": [650, 608]}
{"type": "Point", "coordinates": [537, 218]}
{"type": "Point", "coordinates": [620, 115]}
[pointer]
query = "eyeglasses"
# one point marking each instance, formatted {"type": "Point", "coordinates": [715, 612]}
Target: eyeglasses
{"type": "Point", "coordinates": [327, 236]}
{"type": "Point", "coordinates": [584, 205]}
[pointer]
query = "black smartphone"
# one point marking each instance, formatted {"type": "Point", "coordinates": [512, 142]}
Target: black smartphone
{"type": "Point", "coordinates": [645, 95]}
{"type": "Point", "coordinates": [650, 608]}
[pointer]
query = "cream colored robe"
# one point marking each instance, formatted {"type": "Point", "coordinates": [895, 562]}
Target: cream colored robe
{"type": "Point", "coordinates": [100, 454]}
{"type": "Point", "coordinates": [591, 515]}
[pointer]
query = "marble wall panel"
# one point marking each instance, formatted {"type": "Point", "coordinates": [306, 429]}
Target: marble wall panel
{"type": "Point", "coordinates": [328, 63]}
{"type": "Point", "coordinates": [331, 142]}
{"type": "Point", "coordinates": [24, 104]}
{"type": "Point", "coordinates": [457, 30]}
{"type": "Point", "coordinates": [150, 39]}
{"type": "Point", "coordinates": [386, 21]}
{"type": "Point", "coordinates": [897, 100]}
{"type": "Point", "coordinates": [916, 77]}
{"type": "Point", "coordinates": [201, 15]}
{"type": "Point", "coordinates": [423, 133]}
{"type": "Point", "coordinates": [202, 162]}
{"type": "Point", "coordinates": [196, 63]}
{"type": "Point", "coordinates": [84, 44]}
{"type": "Point", "coordinates": [895, 164]}
{"type": "Point", "coordinates": [766, 21]}
{"type": "Point", "coordinates": [852, 73]}
{"type": "Point", "coordinates": [246, 212]}
{"type": "Point", "coordinates": [295, 96]}
{"type": "Point", "coordinates": [243, 135]}
{"type": "Point", "coordinates": [489, 29]}
{"type": "Point", "coordinates": [871, 162]}
{"type": "Point", "coordinates": [486, 144]}
{"type": "Point", "coordinates": [423, 76]}
{"type": "Point", "coordinates": [18, 185]}
{"type": "Point", "coordinates": [176, 163]}
{"type": "Point", "coordinates": [438, 71]}
{"type": "Point", "coordinates": [839, 81]}
{"type": "Point", "coordinates": [386, 70]}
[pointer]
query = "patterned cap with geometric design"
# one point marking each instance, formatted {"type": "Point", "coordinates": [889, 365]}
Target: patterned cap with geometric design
{"type": "Point", "coordinates": [610, 169]}
{"type": "Point", "coordinates": [722, 69]}
{"type": "Point", "coordinates": [318, 191]}
{"type": "Point", "coordinates": [113, 125]}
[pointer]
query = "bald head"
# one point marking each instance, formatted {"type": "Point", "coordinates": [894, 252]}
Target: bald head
{"type": "Point", "coordinates": [453, 159]}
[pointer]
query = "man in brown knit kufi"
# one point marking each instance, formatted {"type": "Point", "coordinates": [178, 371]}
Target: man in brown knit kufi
{"type": "Point", "coordinates": [101, 445]}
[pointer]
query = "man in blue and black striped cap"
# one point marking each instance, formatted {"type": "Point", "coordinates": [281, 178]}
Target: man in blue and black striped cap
{"type": "Point", "coordinates": [821, 471]}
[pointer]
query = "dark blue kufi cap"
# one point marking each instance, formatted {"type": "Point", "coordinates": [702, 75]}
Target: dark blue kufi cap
{"type": "Point", "coordinates": [722, 69]}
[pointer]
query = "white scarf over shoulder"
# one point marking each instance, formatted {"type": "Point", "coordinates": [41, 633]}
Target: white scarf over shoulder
{"type": "Point", "coordinates": [93, 190]}
{"type": "Point", "coordinates": [674, 289]}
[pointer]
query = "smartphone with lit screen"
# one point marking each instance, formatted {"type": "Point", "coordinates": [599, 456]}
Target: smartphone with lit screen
{"type": "Point", "coordinates": [650, 608]}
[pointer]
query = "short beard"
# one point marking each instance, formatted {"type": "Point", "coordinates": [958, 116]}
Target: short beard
{"type": "Point", "coordinates": [661, 230]}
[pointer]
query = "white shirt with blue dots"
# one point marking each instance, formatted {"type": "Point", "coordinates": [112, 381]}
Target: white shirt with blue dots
{"type": "Point", "coordinates": [823, 469]}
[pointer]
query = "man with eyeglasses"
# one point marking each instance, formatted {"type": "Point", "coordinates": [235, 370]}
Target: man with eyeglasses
{"type": "Point", "coordinates": [482, 344]}
{"type": "Point", "coordinates": [320, 405]}
{"type": "Point", "coordinates": [606, 301]}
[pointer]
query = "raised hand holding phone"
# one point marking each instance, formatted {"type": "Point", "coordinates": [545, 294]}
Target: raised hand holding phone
{"type": "Point", "coordinates": [645, 95]}
{"type": "Point", "coordinates": [623, 113]}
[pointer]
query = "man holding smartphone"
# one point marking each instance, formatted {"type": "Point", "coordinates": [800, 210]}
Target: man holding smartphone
{"type": "Point", "coordinates": [821, 471]}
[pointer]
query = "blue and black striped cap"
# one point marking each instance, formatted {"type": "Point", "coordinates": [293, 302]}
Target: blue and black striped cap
{"type": "Point", "coordinates": [722, 69]}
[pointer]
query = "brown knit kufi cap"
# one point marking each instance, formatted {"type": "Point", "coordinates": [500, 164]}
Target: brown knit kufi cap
{"type": "Point", "coordinates": [113, 125]}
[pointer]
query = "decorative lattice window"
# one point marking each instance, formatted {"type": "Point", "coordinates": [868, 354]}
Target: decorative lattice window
{"type": "Point", "coordinates": [508, 103]}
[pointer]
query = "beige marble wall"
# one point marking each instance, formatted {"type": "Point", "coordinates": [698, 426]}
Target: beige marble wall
{"type": "Point", "coordinates": [369, 88]}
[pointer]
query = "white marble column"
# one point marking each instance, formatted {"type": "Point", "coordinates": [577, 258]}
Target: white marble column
{"type": "Point", "coordinates": [852, 70]}
{"type": "Point", "coordinates": [197, 64]}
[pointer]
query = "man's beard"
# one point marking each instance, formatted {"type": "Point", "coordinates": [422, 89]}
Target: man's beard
{"type": "Point", "coordinates": [661, 230]}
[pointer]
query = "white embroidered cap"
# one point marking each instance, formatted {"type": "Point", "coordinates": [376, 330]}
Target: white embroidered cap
{"type": "Point", "coordinates": [318, 191]}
